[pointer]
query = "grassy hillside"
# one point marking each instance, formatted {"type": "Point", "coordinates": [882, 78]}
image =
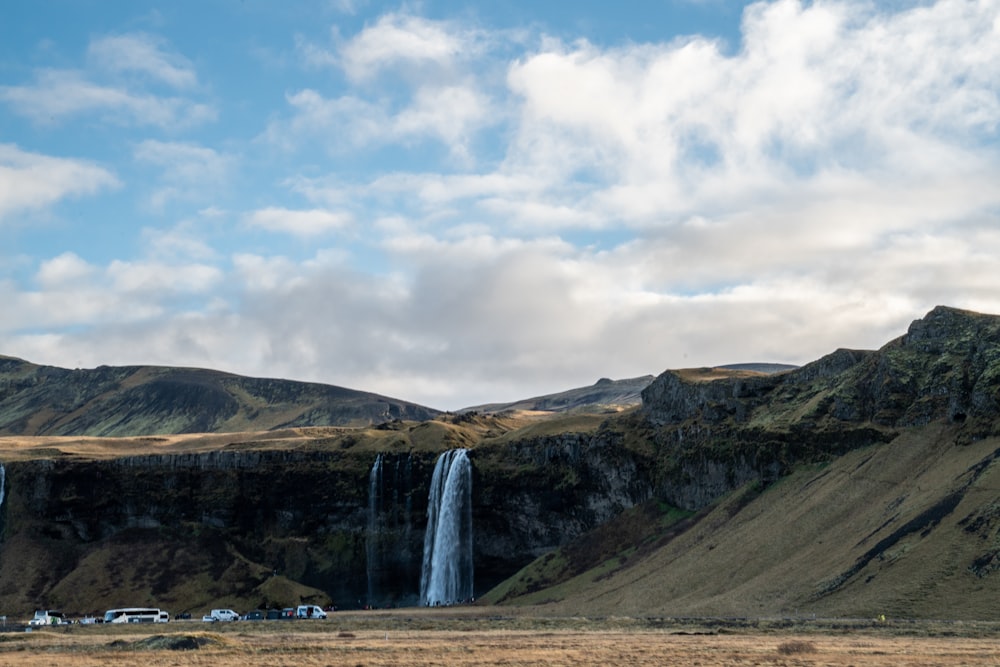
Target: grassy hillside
{"type": "Point", "coordinates": [909, 528]}
{"type": "Point", "coordinates": [155, 400]}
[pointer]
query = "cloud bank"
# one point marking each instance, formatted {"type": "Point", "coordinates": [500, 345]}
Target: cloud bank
{"type": "Point", "coordinates": [547, 212]}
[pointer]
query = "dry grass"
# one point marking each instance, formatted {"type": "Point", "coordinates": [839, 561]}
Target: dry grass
{"type": "Point", "coordinates": [381, 641]}
{"type": "Point", "coordinates": [432, 435]}
{"type": "Point", "coordinates": [796, 646]}
{"type": "Point", "coordinates": [709, 374]}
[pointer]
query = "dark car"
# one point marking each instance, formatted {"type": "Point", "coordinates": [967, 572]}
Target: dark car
{"type": "Point", "coordinates": [279, 614]}
{"type": "Point", "coordinates": [255, 615]}
{"type": "Point", "coordinates": [183, 616]}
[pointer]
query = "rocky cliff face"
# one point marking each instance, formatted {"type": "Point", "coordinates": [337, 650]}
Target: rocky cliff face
{"type": "Point", "coordinates": [945, 367]}
{"type": "Point", "coordinates": [714, 436]}
{"type": "Point", "coordinates": [305, 515]}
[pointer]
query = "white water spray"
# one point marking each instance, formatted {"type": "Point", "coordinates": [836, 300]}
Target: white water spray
{"type": "Point", "coordinates": [446, 576]}
{"type": "Point", "coordinates": [372, 541]}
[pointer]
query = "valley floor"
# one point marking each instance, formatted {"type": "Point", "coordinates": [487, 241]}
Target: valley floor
{"type": "Point", "coordinates": [475, 637]}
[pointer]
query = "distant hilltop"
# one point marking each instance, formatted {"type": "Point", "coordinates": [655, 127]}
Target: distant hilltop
{"type": "Point", "coordinates": [610, 396]}
{"type": "Point", "coordinates": [603, 396]}
{"type": "Point", "coordinates": [147, 400]}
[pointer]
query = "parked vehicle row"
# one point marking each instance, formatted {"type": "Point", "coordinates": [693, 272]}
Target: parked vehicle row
{"type": "Point", "coordinates": [49, 617]}
{"type": "Point", "coordinates": [302, 611]}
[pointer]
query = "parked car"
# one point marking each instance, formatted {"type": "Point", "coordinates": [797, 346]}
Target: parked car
{"type": "Point", "coordinates": [224, 615]}
{"type": "Point", "coordinates": [183, 616]}
{"type": "Point", "coordinates": [255, 615]}
{"type": "Point", "coordinates": [208, 618]}
{"type": "Point", "coordinates": [309, 611]}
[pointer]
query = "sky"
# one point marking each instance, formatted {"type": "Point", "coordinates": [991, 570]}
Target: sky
{"type": "Point", "coordinates": [455, 203]}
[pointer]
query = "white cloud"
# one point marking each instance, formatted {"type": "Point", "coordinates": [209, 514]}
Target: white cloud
{"type": "Point", "coordinates": [306, 223]}
{"type": "Point", "coordinates": [32, 181]}
{"type": "Point", "coordinates": [339, 123]}
{"type": "Point", "coordinates": [401, 41]}
{"type": "Point", "coordinates": [66, 269]}
{"type": "Point", "coordinates": [452, 115]}
{"type": "Point", "coordinates": [671, 130]}
{"type": "Point", "coordinates": [184, 240]}
{"type": "Point", "coordinates": [161, 279]}
{"type": "Point", "coordinates": [315, 55]}
{"type": "Point", "coordinates": [189, 171]}
{"type": "Point", "coordinates": [142, 54]}
{"type": "Point", "coordinates": [116, 85]}
{"type": "Point", "coordinates": [413, 79]}
{"type": "Point", "coordinates": [58, 94]}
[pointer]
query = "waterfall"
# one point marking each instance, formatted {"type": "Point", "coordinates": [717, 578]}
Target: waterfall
{"type": "Point", "coordinates": [446, 576]}
{"type": "Point", "coordinates": [371, 543]}
{"type": "Point", "coordinates": [3, 483]}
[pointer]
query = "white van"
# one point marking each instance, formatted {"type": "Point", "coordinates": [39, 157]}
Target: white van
{"type": "Point", "coordinates": [224, 615]}
{"type": "Point", "coordinates": [309, 611]}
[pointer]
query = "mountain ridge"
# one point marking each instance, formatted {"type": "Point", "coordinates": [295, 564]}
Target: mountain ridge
{"type": "Point", "coordinates": [151, 400]}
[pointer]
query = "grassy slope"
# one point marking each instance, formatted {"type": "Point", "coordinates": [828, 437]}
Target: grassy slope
{"type": "Point", "coordinates": [869, 514]}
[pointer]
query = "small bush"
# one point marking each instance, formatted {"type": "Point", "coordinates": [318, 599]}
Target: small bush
{"type": "Point", "coordinates": [796, 646]}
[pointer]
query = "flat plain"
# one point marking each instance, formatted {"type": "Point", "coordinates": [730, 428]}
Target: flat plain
{"type": "Point", "coordinates": [419, 637]}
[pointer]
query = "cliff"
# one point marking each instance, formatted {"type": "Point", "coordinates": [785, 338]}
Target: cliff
{"type": "Point", "coordinates": [713, 436]}
{"type": "Point", "coordinates": [187, 524]}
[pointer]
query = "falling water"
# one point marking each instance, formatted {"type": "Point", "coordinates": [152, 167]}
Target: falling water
{"type": "Point", "coordinates": [3, 483]}
{"type": "Point", "coordinates": [446, 576]}
{"type": "Point", "coordinates": [371, 543]}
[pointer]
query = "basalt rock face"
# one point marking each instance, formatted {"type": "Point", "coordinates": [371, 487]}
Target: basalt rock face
{"type": "Point", "coordinates": [947, 366]}
{"type": "Point", "coordinates": [146, 400]}
{"type": "Point", "coordinates": [297, 514]}
{"type": "Point", "coordinates": [534, 494]}
{"type": "Point", "coordinates": [714, 436]}
{"type": "Point", "coordinates": [301, 515]}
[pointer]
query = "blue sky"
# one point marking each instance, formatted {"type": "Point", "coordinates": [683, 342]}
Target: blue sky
{"type": "Point", "coordinates": [455, 203]}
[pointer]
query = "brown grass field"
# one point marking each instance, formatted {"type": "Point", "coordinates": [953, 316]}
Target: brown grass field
{"type": "Point", "coordinates": [421, 637]}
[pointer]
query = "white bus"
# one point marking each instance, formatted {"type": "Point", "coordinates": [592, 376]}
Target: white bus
{"type": "Point", "coordinates": [136, 615]}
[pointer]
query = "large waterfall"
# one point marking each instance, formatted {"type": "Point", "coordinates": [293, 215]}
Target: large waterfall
{"type": "Point", "coordinates": [446, 576]}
